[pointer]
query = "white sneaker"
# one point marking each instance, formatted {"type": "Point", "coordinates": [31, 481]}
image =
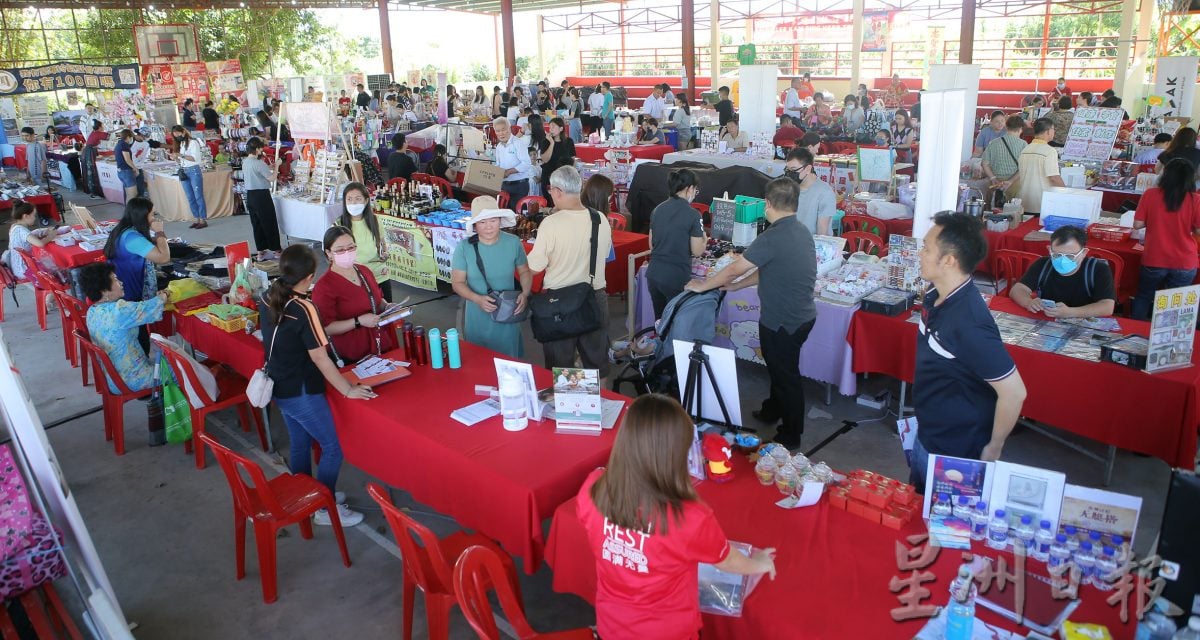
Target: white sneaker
{"type": "Point", "coordinates": [348, 516]}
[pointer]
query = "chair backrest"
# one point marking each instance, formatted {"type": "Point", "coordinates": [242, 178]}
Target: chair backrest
{"type": "Point", "coordinates": [477, 570]}
{"type": "Point", "coordinates": [859, 222]}
{"type": "Point", "coordinates": [248, 497]}
{"type": "Point", "coordinates": [423, 178]}
{"type": "Point", "coordinates": [616, 221]}
{"type": "Point", "coordinates": [185, 375]}
{"type": "Point", "coordinates": [502, 199]}
{"type": "Point", "coordinates": [863, 241]}
{"type": "Point", "coordinates": [49, 282]}
{"type": "Point", "coordinates": [1115, 263]}
{"type": "Point", "coordinates": [32, 268]}
{"type": "Point", "coordinates": [522, 207]}
{"type": "Point", "coordinates": [433, 575]}
{"type": "Point", "coordinates": [443, 185]}
{"type": "Point", "coordinates": [398, 182]}
{"type": "Point", "coordinates": [102, 364]}
{"type": "Point", "coordinates": [1011, 265]}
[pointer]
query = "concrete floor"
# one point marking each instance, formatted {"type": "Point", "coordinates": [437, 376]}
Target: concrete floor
{"type": "Point", "coordinates": [164, 530]}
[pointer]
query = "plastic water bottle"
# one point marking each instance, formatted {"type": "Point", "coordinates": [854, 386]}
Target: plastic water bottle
{"type": "Point", "coordinates": [453, 350]}
{"type": "Point", "coordinates": [962, 509]}
{"type": "Point", "coordinates": [1122, 551]}
{"type": "Point", "coordinates": [1072, 539]}
{"type": "Point", "coordinates": [435, 348]}
{"type": "Point", "coordinates": [513, 402]}
{"type": "Point", "coordinates": [1106, 566]}
{"type": "Point", "coordinates": [1086, 561]}
{"type": "Point", "coordinates": [979, 521]}
{"type": "Point", "coordinates": [1059, 555]}
{"type": "Point", "coordinates": [960, 612]}
{"type": "Point", "coordinates": [1191, 632]}
{"type": "Point", "coordinates": [941, 506]}
{"type": "Point", "coordinates": [1025, 535]}
{"type": "Point", "coordinates": [998, 530]}
{"type": "Point", "coordinates": [1155, 626]}
{"type": "Point", "coordinates": [1043, 538]}
{"type": "Point", "coordinates": [1097, 540]}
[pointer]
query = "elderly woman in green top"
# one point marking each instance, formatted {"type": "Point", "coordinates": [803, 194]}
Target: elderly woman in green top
{"type": "Point", "coordinates": [360, 220]}
{"type": "Point", "coordinates": [500, 254]}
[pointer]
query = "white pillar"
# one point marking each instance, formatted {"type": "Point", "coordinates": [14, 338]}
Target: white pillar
{"type": "Point", "coordinates": [1135, 86]}
{"type": "Point", "coordinates": [541, 57]}
{"type": "Point", "coordinates": [856, 41]}
{"type": "Point", "coordinates": [714, 43]}
{"type": "Point", "coordinates": [1125, 63]}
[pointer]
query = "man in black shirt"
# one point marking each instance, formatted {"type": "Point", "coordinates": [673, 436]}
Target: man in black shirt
{"type": "Point", "coordinates": [1067, 284]}
{"type": "Point", "coordinates": [363, 99]}
{"type": "Point", "coordinates": [724, 106]}
{"type": "Point", "coordinates": [212, 119]}
{"type": "Point", "coordinates": [399, 163]}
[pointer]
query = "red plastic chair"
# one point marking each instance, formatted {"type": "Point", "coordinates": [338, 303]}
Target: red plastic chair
{"type": "Point", "coordinates": [522, 207]}
{"type": "Point", "coordinates": [477, 570]}
{"type": "Point", "coordinates": [398, 182]}
{"type": "Point", "coordinates": [231, 392]}
{"type": "Point", "coordinates": [502, 199]}
{"type": "Point", "coordinates": [1115, 263]}
{"type": "Point", "coordinates": [443, 185]}
{"type": "Point", "coordinates": [422, 178]}
{"type": "Point", "coordinates": [427, 566]}
{"type": "Point", "coordinates": [41, 288]}
{"type": "Point", "coordinates": [1009, 265]}
{"type": "Point", "coordinates": [47, 615]}
{"type": "Point", "coordinates": [702, 209]}
{"type": "Point", "coordinates": [516, 130]}
{"type": "Point", "coordinates": [859, 222]}
{"type": "Point", "coordinates": [865, 242]}
{"type": "Point", "coordinates": [284, 500]}
{"type": "Point", "coordinates": [617, 221]}
{"type": "Point", "coordinates": [73, 313]}
{"type": "Point", "coordinates": [112, 403]}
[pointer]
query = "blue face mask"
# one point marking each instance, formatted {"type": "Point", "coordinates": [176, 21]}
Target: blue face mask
{"type": "Point", "coordinates": [1064, 264]}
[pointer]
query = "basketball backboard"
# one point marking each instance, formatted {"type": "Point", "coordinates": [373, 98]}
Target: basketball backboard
{"type": "Point", "coordinates": [166, 43]}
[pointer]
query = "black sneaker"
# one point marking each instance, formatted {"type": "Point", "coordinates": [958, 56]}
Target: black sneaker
{"type": "Point", "coordinates": [766, 415]}
{"type": "Point", "coordinates": [789, 439]}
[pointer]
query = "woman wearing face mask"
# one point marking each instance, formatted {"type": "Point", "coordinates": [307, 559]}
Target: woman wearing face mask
{"type": "Point", "coordinates": [500, 254]}
{"type": "Point", "coordinates": [853, 117]}
{"type": "Point", "coordinates": [676, 236]}
{"type": "Point", "coordinates": [190, 156]}
{"type": "Point", "coordinates": [360, 220]}
{"type": "Point", "coordinates": [350, 301]}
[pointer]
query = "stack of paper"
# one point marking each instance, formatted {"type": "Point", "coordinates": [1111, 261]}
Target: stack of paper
{"type": "Point", "coordinates": [473, 414]}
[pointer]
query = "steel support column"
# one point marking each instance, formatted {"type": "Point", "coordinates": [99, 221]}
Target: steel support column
{"type": "Point", "coordinates": [688, 15]}
{"type": "Point", "coordinates": [966, 33]}
{"type": "Point", "coordinates": [510, 47]}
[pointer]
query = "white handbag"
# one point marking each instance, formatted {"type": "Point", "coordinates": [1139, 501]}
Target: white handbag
{"type": "Point", "coordinates": [261, 387]}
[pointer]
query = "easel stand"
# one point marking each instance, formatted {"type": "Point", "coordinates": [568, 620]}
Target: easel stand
{"type": "Point", "coordinates": [693, 392]}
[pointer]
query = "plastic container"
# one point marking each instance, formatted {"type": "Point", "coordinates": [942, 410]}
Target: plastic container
{"type": "Point", "coordinates": [1086, 561]}
{"type": "Point", "coordinates": [941, 506]}
{"type": "Point", "coordinates": [960, 612]}
{"type": "Point", "coordinates": [979, 521]}
{"type": "Point", "coordinates": [998, 530]}
{"type": "Point", "coordinates": [1043, 538]}
{"type": "Point", "coordinates": [1191, 632]}
{"type": "Point", "coordinates": [765, 470]}
{"type": "Point", "coordinates": [1024, 533]}
{"type": "Point", "coordinates": [1106, 568]}
{"type": "Point", "coordinates": [786, 479]}
{"type": "Point", "coordinates": [1155, 626]}
{"type": "Point", "coordinates": [435, 348]}
{"type": "Point", "coordinates": [514, 406]}
{"type": "Point", "coordinates": [1072, 538]}
{"type": "Point", "coordinates": [453, 349]}
{"type": "Point", "coordinates": [1059, 554]}
{"type": "Point", "coordinates": [963, 510]}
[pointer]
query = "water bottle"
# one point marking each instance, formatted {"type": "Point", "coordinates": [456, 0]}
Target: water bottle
{"type": "Point", "coordinates": [1072, 539]}
{"type": "Point", "coordinates": [1025, 535]}
{"type": "Point", "coordinates": [1191, 632]}
{"type": "Point", "coordinates": [962, 509]}
{"type": "Point", "coordinates": [1043, 538]}
{"type": "Point", "coordinates": [1106, 567]}
{"type": "Point", "coordinates": [1086, 561]}
{"type": "Point", "coordinates": [998, 531]}
{"type": "Point", "coordinates": [979, 521]}
{"type": "Point", "coordinates": [1155, 626]}
{"type": "Point", "coordinates": [453, 350]}
{"type": "Point", "coordinates": [514, 405]}
{"type": "Point", "coordinates": [1097, 540]}
{"type": "Point", "coordinates": [1122, 550]}
{"type": "Point", "coordinates": [960, 612]}
{"type": "Point", "coordinates": [1059, 555]}
{"type": "Point", "coordinates": [435, 348]}
{"type": "Point", "coordinates": [941, 506]}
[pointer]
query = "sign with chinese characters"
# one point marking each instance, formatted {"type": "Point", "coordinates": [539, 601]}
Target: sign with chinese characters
{"type": "Point", "coordinates": [1092, 134]}
{"type": "Point", "coordinates": [445, 240]}
{"type": "Point", "coordinates": [1173, 328]}
{"type": "Point", "coordinates": [1111, 514]}
{"type": "Point", "coordinates": [409, 250]}
{"type": "Point", "coordinates": [68, 75]}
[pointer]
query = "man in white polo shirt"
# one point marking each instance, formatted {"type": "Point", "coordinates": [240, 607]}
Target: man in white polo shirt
{"type": "Point", "coordinates": [512, 155]}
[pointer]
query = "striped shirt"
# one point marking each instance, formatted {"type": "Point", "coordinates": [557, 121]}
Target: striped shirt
{"type": "Point", "coordinates": [1003, 163]}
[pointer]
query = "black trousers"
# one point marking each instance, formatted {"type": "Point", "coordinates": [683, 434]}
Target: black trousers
{"type": "Point", "coordinates": [665, 283]}
{"type": "Point", "coordinates": [263, 220]}
{"type": "Point", "coordinates": [516, 190]}
{"type": "Point", "coordinates": [781, 351]}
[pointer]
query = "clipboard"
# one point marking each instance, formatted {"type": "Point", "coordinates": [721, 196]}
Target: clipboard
{"type": "Point", "coordinates": [376, 380]}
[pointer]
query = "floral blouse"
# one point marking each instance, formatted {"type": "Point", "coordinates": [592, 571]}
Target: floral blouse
{"type": "Point", "coordinates": [114, 328]}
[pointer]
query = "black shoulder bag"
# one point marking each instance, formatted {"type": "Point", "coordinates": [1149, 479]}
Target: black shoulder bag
{"type": "Point", "coordinates": [505, 301]}
{"type": "Point", "coordinates": [569, 312]}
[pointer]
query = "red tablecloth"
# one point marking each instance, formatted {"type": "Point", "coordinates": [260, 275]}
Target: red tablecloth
{"type": "Point", "coordinates": [592, 153]}
{"type": "Point", "coordinates": [70, 257]}
{"type": "Point", "coordinates": [833, 569]}
{"type": "Point", "coordinates": [500, 483]}
{"type": "Point", "coordinates": [1113, 200]}
{"type": "Point", "coordinates": [20, 156]}
{"type": "Point", "coordinates": [616, 273]}
{"type": "Point", "coordinates": [43, 203]}
{"type": "Point", "coordinates": [242, 352]}
{"type": "Point", "coordinates": [1152, 414]}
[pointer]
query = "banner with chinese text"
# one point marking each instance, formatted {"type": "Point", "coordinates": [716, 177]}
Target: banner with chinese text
{"type": "Point", "coordinates": [68, 75]}
{"type": "Point", "coordinates": [409, 249]}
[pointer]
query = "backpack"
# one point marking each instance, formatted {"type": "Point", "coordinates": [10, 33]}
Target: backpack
{"type": "Point", "coordinates": [1089, 275]}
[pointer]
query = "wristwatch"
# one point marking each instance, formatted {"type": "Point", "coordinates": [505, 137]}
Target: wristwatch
{"type": "Point", "coordinates": [357, 324]}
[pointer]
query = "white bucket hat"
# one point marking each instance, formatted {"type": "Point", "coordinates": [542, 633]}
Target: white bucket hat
{"type": "Point", "coordinates": [508, 218]}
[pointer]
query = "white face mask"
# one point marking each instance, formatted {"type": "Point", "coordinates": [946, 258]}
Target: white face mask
{"type": "Point", "coordinates": [1061, 85]}
{"type": "Point", "coordinates": [356, 209]}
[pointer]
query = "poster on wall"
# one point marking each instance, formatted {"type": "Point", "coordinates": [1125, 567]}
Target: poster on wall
{"type": "Point", "coordinates": [176, 82]}
{"type": "Point", "coordinates": [68, 75]}
{"type": "Point", "coordinates": [225, 78]}
{"type": "Point", "coordinates": [35, 112]}
{"type": "Point", "coordinates": [445, 240]}
{"type": "Point", "coordinates": [1173, 328]}
{"type": "Point", "coordinates": [8, 118]}
{"type": "Point", "coordinates": [1175, 82]}
{"type": "Point", "coordinates": [1092, 134]}
{"type": "Point", "coordinates": [307, 120]}
{"type": "Point", "coordinates": [410, 256]}
{"type": "Point", "coordinates": [876, 28]}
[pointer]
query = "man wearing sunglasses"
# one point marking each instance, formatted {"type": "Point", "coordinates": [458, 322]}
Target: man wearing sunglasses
{"type": "Point", "coordinates": [817, 202]}
{"type": "Point", "coordinates": [1067, 283]}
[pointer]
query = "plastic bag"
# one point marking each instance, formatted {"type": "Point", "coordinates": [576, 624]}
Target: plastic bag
{"type": "Point", "coordinates": [176, 413]}
{"type": "Point", "coordinates": [722, 593]}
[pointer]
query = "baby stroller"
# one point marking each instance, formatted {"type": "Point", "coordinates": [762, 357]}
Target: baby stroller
{"type": "Point", "coordinates": [649, 357]}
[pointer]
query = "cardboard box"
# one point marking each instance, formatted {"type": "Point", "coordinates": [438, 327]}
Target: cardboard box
{"type": "Point", "coordinates": [483, 178]}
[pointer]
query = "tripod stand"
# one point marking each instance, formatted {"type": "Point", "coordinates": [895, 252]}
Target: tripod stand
{"type": "Point", "coordinates": [693, 393]}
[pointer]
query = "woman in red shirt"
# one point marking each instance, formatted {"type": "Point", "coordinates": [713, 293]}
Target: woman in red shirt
{"type": "Point", "coordinates": [350, 301]}
{"type": "Point", "coordinates": [1170, 213]}
{"type": "Point", "coordinates": [649, 530]}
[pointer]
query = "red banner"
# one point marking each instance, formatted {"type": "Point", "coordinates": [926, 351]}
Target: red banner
{"type": "Point", "coordinates": [176, 81]}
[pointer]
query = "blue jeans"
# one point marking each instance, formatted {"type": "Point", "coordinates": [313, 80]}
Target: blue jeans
{"type": "Point", "coordinates": [918, 465]}
{"type": "Point", "coordinates": [575, 129]}
{"type": "Point", "coordinates": [193, 188]}
{"type": "Point", "coordinates": [1153, 279]}
{"type": "Point", "coordinates": [308, 418]}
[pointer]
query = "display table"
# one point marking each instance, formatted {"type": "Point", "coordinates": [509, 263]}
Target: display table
{"type": "Point", "coordinates": [71, 257]}
{"type": "Point", "coordinates": [833, 568]}
{"type": "Point", "coordinates": [305, 220]}
{"type": "Point", "coordinates": [243, 352]}
{"type": "Point", "coordinates": [111, 187]}
{"type": "Point", "coordinates": [616, 273]}
{"type": "Point", "coordinates": [1113, 198]}
{"type": "Point", "coordinates": [593, 152]}
{"type": "Point", "coordinates": [170, 202]}
{"type": "Point", "coordinates": [771, 167]}
{"type": "Point", "coordinates": [826, 357]}
{"type": "Point", "coordinates": [499, 483]}
{"type": "Point", "coordinates": [64, 168]}
{"type": "Point", "coordinates": [43, 203]}
{"type": "Point", "coordinates": [1153, 414]}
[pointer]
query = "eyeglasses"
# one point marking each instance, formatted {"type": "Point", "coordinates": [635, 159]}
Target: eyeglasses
{"type": "Point", "coordinates": [1061, 254]}
{"type": "Point", "coordinates": [344, 250]}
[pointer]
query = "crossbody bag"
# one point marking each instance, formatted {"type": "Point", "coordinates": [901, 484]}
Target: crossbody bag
{"type": "Point", "coordinates": [261, 387]}
{"type": "Point", "coordinates": [505, 301]}
{"type": "Point", "coordinates": [569, 312]}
